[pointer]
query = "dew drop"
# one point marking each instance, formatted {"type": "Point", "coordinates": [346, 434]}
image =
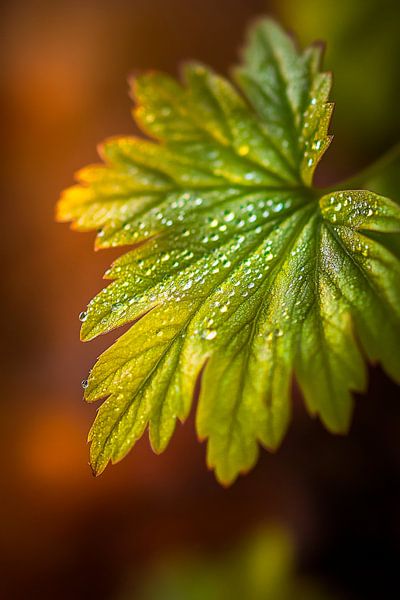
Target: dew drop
{"type": "Point", "coordinates": [209, 334]}
{"type": "Point", "coordinates": [83, 316]}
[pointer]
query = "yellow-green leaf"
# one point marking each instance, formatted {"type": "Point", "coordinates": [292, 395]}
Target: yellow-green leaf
{"type": "Point", "coordinates": [241, 275]}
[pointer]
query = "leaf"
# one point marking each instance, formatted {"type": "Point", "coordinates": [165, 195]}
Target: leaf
{"type": "Point", "coordinates": [240, 275]}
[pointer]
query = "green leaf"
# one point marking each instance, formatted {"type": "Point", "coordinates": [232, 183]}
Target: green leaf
{"type": "Point", "coordinates": [240, 276]}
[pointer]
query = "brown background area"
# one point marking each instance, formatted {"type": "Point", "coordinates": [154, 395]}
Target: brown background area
{"type": "Point", "coordinates": [63, 533]}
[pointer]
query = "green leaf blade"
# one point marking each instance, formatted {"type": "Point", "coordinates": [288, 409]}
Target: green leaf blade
{"type": "Point", "coordinates": [240, 276]}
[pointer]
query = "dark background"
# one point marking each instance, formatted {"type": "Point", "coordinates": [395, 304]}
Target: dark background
{"type": "Point", "coordinates": [65, 534]}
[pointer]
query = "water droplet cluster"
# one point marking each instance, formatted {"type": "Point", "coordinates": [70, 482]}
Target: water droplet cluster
{"type": "Point", "coordinates": [352, 209]}
{"type": "Point", "coordinates": [193, 253]}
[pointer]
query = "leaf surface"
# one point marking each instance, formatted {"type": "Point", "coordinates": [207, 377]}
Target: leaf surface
{"type": "Point", "coordinates": [241, 275]}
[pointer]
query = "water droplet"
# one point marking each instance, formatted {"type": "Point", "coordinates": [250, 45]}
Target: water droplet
{"type": "Point", "coordinates": [229, 217]}
{"type": "Point", "coordinates": [85, 384]}
{"type": "Point", "coordinates": [83, 316]}
{"type": "Point", "coordinates": [209, 334]}
{"type": "Point", "coordinates": [250, 176]}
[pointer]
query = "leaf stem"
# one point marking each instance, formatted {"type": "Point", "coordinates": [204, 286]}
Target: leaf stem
{"type": "Point", "coordinates": [374, 169]}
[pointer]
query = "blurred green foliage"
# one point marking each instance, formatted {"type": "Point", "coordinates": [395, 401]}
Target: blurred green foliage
{"type": "Point", "coordinates": [263, 567]}
{"type": "Point", "coordinates": [363, 50]}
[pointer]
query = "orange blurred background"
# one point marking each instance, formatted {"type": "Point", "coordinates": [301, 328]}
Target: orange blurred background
{"type": "Point", "coordinates": [65, 534]}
